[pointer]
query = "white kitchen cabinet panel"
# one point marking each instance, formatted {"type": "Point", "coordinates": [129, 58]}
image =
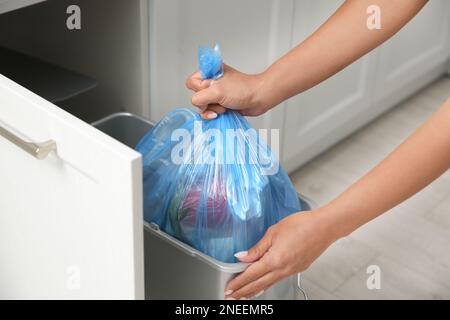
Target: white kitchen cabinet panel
{"type": "Point", "coordinates": [70, 224]}
{"type": "Point", "coordinates": [252, 34]}
{"type": "Point", "coordinates": [10, 5]}
{"type": "Point", "coordinates": [321, 116]}
{"type": "Point", "coordinates": [413, 57]}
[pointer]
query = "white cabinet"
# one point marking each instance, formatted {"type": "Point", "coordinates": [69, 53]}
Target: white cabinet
{"type": "Point", "coordinates": [414, 56]}
{"type": "Point", "coordinates": [324, 114]}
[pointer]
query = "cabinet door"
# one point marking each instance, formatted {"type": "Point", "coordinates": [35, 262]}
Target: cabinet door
{"type": "Point", "coordinates": [252, 34]}
{"type": "Point", "coordinates": [323, 115]}
{"type": "Point", "coordinates": [416, 55]}
{"type": "Point", "coordinates": [70, 224]}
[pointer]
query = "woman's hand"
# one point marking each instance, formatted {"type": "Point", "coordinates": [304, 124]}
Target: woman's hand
{"type": "Point", "coordinates": [288, 247]}
{"type": "Point", "coordinates": [234, 90]}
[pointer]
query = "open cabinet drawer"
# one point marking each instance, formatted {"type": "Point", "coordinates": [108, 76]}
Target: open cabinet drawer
{"type": "Point", "coordinates": [71, 223]}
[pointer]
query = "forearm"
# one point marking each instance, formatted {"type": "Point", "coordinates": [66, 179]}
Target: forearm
{"type": "Point", "coordinates": [422, 158]}
{"type": "Point", "coordinates": [342, 39]}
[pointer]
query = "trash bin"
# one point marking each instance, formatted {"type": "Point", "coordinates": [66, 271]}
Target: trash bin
{"type": "Point", "coordinates": [173, 269]}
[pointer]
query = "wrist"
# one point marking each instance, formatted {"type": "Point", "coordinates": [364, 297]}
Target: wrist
{"type": "Point", "coordinates": [327, 224]}
{"type": "Point", "coordinates": [265, 95]}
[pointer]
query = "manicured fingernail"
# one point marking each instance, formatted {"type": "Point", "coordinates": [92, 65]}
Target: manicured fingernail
{"type": "Point", "coordinates": [228, 292]}
{"type": "Point", "coordinates": [259, 293]}
{"type": "Point", "coordinates": [243, 298]}
{"type": "Point", "coordinates": [241, 254]}
{"type": "Point", "coordinates": [210, 115]}
{"type": "Point", "coordinates": [230, 298]}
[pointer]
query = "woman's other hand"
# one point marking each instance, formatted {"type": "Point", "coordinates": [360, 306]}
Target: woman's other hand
{"type": "Point", "coordinates": [288, 247]}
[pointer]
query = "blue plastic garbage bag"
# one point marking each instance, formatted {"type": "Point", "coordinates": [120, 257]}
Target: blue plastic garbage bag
{"type": "Point", "coordinates": [214, 184]}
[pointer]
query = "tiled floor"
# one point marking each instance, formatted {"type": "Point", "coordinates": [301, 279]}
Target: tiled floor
{"type": "Point", "coordinates": [410, 243]}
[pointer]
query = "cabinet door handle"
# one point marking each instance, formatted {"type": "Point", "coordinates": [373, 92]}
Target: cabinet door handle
{"type": "Point", "coordinates": [39, 150]}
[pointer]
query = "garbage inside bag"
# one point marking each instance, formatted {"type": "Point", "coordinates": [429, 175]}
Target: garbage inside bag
{"type": "Point", "coordinates": [214, 184]}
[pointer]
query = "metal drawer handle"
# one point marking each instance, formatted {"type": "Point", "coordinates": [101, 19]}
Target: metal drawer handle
{"type": "Point", "coordinates": [39, 150]}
